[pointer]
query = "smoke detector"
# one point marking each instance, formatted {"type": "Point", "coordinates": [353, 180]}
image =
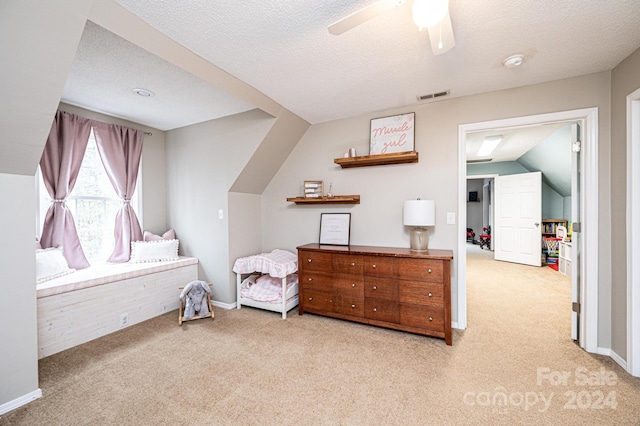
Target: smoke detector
{"type": "Point", "coordinates": [513, 61]}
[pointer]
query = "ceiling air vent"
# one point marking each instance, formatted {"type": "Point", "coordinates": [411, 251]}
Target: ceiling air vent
{"type": "Point", "coordinates": [433, 95]}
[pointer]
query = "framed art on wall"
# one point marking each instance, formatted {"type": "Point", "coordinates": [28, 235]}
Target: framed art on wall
{"type": "Point", "coordinates": [335, 228]}
{"type": "Point", "coordinates": [392, 134]}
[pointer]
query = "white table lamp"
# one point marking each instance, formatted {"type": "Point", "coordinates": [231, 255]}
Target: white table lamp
{"type": "Point", "coordinates": [419, 214]}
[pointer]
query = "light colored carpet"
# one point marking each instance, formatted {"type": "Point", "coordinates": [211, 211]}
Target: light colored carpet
{"type": "Point", "coordinates": [250, 367]}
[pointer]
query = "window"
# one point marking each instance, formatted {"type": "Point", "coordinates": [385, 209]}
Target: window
{"type": "Point", "coordinates": [93, 203]}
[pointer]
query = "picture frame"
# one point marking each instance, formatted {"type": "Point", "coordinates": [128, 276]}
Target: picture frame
{"type": "Point", "coordinates": [392, 134]}
{"type": "Point", "coordinates": [335, 228]}
{"type": "Point", "coordinates": [313, 189]}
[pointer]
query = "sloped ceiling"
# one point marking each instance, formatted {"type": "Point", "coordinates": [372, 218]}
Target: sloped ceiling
{"type": "Point", "coordinates": [545, 148]}
{"type": "Point", "coordinates": [284, 50]}
{"type": "Point", "coordinates": [107, 68]}
{"type": "Point", "coordinates": [552, 157]}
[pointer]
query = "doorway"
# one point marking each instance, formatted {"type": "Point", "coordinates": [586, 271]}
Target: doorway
{"type": "Point", "coordinates": [589, 196]}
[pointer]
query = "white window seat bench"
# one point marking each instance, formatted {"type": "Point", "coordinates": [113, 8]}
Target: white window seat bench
{"type": "Point", "coordinates": [93, 302]}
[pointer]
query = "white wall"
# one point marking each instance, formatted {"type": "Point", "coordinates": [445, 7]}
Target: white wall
{"type": "Point", "coordinates": [625, 80]}
{"type": "Point", "coordinates": [203, 161]}
{"type": "Point", "coordinates": [378, 219]}
{"type": "Point", "coordinates": [18, 334]}
{"type": "Point", "coordinates": [245, 229]}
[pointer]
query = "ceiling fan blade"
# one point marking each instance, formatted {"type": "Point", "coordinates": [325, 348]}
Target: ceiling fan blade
{"type": "Point", "coordinates": [363, 15]}
{"type": "Point", "coordinates": [441, 36]}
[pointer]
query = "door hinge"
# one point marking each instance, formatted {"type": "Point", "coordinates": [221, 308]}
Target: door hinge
{"type": "Point", "coordinates": [576, 146]}
{"type": "Point", "coordinates": [576, 227]}
{"type": "Point", "coordinates": [575, 307]}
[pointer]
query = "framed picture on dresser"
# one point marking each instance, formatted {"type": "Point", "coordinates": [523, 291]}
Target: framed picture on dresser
{"type": "Point", "coordinates": [335, 228]}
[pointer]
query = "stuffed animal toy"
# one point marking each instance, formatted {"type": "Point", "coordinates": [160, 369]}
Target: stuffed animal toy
{"type": "Point", "coordinates": [194, 299]}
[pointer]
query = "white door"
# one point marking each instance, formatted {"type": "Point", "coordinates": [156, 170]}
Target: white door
{"type": "Point", "coordinates": [575, 237]}
{"type": "Point", "coordinates": [518, 212]}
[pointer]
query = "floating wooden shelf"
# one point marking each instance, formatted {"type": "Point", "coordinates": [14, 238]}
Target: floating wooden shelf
{"type": "Point", "coordinates": [336, 199]}
{"type": "Point", "coordinates": [378, 160]}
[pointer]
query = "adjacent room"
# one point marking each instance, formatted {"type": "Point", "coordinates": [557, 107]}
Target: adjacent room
{"type": "Point", "coordinates": [354, 212]}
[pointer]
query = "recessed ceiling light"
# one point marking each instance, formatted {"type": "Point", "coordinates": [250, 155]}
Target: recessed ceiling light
{"type": "Point", "coordinates": [513, 61]}
{"type": "Point", "coordinates": [143, 92]}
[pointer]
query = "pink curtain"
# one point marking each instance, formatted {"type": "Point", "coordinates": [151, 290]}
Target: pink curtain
{"type": "Point", "coordinates": [120, 149]}
{"type": "Point", "coordinates": [60, 164]}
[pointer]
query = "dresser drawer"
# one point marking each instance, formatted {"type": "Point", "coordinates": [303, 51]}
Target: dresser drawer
{"type": "Point", "coordinates": [348, 264]}
{"type": "Point", "coordinates": [381, 288]}
{"type": "Point", "coordinates": [421, 293]}
{"type": "Point", "coordinates": [316, 280]}
{"type": "Point", "coordinates": [349, 305]}
{"type": "Point", "coordinates": [380, 266]}
{"type": "Point", "coordinates": [352, 285]}
{"type": "Point", "coordinates": [381, 310]}
{"type": "Point", "coordinates": [421, 269]}
{"type": "Point", "coordinates": [422, 316]}
{"type": "Point", "coordinates": [317, 299]}
{"type": "Point", "coordinates": [315, 261]}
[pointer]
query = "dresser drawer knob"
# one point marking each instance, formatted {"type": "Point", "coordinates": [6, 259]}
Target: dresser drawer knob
{"type": "Point", "coordinates": [375, 309]}
{"type": "Point", "coordinates": [353, 284]}
{"type": "Point", "coordinates": [373, 266]}
{"type": "Point", "coordinates": [430, 294]}
{"type": "Point", "coordinates": [429, 271]}
{"type": "Point", "coordinates": [310, 279]}
{"type": "Point", "coordinates": [353, 306]}
{"type": "Point", "coordinates": [375, 287]}
{"type": "Point", "coordinates": [311, 298]}
{"type": "Point", "coordinates": [430, 318]}
{"type": "Point", "coordinates": [353, 264]}
{"type": "Point", "coordinates": [309, 260]}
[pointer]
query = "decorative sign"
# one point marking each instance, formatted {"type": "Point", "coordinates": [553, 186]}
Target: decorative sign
{"type": "Point", "coordinates": [335, 228]}
{"type": "Point", "coordinates": [392, 134]}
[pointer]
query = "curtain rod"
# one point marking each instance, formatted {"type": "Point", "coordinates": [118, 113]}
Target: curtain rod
{"type": "Point", "coordinates": [148, 133]}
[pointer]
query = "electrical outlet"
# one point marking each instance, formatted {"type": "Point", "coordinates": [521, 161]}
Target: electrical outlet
{"type": "Point", "coordinates": [220, 214]}
{"type": "Point", "coordinates": [124, 320]}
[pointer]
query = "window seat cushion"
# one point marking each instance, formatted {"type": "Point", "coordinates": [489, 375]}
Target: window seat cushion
{"type": "Point", "coordinates": [107, 273]}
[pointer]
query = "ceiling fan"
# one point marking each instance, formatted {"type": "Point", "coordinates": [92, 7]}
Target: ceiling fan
{"type": "Point", "coordinates": [430, 14]}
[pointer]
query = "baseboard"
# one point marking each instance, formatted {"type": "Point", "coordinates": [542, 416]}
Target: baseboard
{"type": "Point", "coordinates": [614, 356]}
{"type": "Point", "coordinates": [19, 402]}
{"type": "Point", "coordinates": [223, 305]}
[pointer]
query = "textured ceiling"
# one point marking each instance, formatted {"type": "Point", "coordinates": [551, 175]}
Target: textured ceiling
{"type": "Point", "coordinates": [283, 49]}
{"type": "Point", "coordinates": [107, 68]}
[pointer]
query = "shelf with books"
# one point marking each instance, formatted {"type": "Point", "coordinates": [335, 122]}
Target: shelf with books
{"type": "Point", "coordinates": [550, 226]}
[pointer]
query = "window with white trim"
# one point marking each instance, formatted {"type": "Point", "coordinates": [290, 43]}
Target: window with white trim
{"type": "Point", "coordinates": [93, 203]}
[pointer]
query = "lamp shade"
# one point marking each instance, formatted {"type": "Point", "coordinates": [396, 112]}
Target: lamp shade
{"type": "Point", "coordinates": [419, 213]}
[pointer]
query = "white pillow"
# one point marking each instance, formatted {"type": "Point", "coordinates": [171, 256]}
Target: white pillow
{"type": "Point", "coordinates": [50, 264]}
{"type": "Point", "coordinates": [153, 251]}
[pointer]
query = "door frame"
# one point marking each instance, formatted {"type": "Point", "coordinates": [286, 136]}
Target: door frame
{"type": "Point", "coordinates": [633, 233]}
{"type": "Point", "coordinates": [589, 199]}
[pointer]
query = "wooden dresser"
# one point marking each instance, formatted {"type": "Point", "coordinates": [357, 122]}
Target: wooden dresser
{"type": "Point", "coordinates": [383, 286]}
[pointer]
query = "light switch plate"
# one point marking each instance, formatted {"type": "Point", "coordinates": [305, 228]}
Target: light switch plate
{"type": "Point", "coordinates": [451, 218]}
{"type": "Point", "coordinates": [220, 214]}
